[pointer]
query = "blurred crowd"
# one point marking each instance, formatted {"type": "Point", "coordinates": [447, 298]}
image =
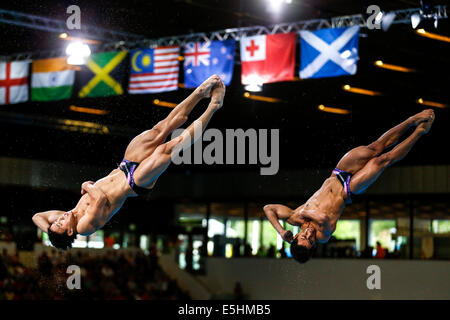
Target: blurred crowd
{"type": "Point", "coordinates": [111, 275]}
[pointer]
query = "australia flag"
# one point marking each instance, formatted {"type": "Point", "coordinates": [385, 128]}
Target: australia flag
{"type": "Point", "coordinates": [203, 59]}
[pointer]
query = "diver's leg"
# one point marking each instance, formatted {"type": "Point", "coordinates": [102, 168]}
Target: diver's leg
{"type": "Point", "coordinates": [373, 169]}
{"type": "Point", "coordinates": [143, 145]}
{"type": "Point", "coordinates": [357, 158]}
{"type": "Point", "coordinates": [180, 113]}
{"type": "Point", "coordinates": [152, 167]}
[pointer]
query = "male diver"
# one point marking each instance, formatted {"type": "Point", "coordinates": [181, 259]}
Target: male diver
{"type": "Point", "coordinates": [146, 158]}
{"type": "Point", "coordinates": [354, 173]}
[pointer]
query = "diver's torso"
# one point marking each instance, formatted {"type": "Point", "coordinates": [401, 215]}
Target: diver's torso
{"type": "Point", "coordinates": [116, 189]}
{"type": "Point", "coordinates": [329, 199]}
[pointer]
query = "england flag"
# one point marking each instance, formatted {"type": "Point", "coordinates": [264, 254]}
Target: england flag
{"type": "Point", "coordinates": [13, 82]}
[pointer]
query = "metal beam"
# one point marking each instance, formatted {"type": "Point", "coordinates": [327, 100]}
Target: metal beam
{"type": "Point", "coordinates": [58, 26]}
{"type": "Point", "coordinates": [402, 16]}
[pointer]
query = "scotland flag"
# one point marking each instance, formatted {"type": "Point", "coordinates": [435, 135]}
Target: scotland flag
{"type": "Point", "coordinates": [329, 52]}
{"type": "Point", "coordinates": [203, 59]}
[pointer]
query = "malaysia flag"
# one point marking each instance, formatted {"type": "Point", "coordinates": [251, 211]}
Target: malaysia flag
{"type": "Point", "coordinates": [154, 70]}
{"type": "Point", "coordinates": [268, 58]}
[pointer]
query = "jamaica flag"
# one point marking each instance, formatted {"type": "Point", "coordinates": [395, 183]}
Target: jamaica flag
{"type": "Point", "coordinates": [103, 75]}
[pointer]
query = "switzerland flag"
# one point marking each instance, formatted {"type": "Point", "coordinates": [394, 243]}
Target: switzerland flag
{"type": "Point", "coordinates": [268, 58]}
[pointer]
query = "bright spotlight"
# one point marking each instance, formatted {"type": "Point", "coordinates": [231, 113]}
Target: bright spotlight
{"type": "Point", "coordinates": [253, 87]}
{"type": "Point", "coordinates": [415, 20]}
{"type": "Point", "coordinates": [427, 16]}
{"type": "Point", "coordinates": [253, 83]}
{"type": "Point", "coordinates": [275, 5]}
{"type": "Point", "coordinates": [78, 53]}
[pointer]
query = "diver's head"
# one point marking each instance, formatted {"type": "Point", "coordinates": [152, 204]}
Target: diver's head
{"type": "Point", "coordinates": [304, 243]}
{"type": "Point", "coordinates": [62, 232]}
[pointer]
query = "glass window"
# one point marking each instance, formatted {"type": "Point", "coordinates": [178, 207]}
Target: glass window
{"type": "Point", "coordinates": [441, 226]}
{"type": "Point", "coordinates": [253, 234]}
{"type": "Point", "coordinates": [381, 230]}
{"type": "Point", "coordinates": [191, 215]}
{"type": "Point", "coordinates": [269, 238]}
{"type": "Point", "coordinates": [424, 239]}
{"type": "Point", "coordinates": [389, 224]}
{"type": "Point", "coordinates": [236, 228]}
{"type": "Point", "coordinates": [144, 242]}
{"type": "Point", "coordinates": [216, 227]}
{"type": "Point", "coordinates": [80, 242]}
{"type": "Point", "coordinates": [349, 230]}
{"type": "Point", "coordinates": [95, 240]}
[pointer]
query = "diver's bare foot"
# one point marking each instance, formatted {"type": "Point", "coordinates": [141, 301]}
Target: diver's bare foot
{"type": "Point", "coordinates": [424, 116]}
{"type": "Point", "coordinates": [217, 95]}
{"type": "Point", "coordinates": [204, 90]}
{"type": "Point", "coordinates": [425, 126]}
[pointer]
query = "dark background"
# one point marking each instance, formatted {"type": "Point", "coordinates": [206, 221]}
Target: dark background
{"type": "Point", "coordinates": [309, 138]}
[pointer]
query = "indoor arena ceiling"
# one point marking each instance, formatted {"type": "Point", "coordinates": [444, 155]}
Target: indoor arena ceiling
{"type": "Point", "coordinates": [308, 137]}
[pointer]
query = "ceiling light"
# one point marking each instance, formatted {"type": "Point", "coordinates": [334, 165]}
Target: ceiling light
{"type": "Point", "coordinates": [433, 36]}
{"type": "Point", "coordinates": [88, 110]}
{"type": "Point", "coordinates": [431, 103]}
{"type": "Point", "coordinates": [393, 67]}
{"type": "Point", "coordinates": [323, 108]}
{"type": "Point", "coordinates": [261, 98]}
{"type": "Point", "coordinates": [78, 53]}
{"type": "Point", "coordinates": [164, 103]}
{"type": "Point", "coordinates": [361, 91]}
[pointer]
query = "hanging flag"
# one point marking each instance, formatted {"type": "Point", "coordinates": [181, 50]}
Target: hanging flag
{"type": "Point", "coordinates": [103, 74]}
{"type": "Point", "coordinates": [203, 59]}
{"type": "Point", "coordinates": [154, 70]}
{"type": "Point", "coordinates": [13, 82]}
{"type": "Point", "coordinates": [328, 52]}
{"type": "Point", "coordinates": [268, 58]}
{"type": "Point", "coordinates": [51, 79]}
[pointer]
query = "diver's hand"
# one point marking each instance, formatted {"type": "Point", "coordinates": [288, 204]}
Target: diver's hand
{"type": "Point", "coordinates": [288, 236]}
{"type": "Point", "coordinates": [83, 186]}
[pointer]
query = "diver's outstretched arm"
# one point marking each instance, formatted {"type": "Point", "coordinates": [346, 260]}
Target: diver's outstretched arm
{"type": "Point", "coordinates": [274, 212]}
{"type": "Point", "coordinates": [43, 220]}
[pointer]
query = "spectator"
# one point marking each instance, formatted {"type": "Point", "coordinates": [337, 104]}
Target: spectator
{"type": "Point", "coordinates": [132, 278]}
{"type": "Point", "coordinates": [248, 250]}
{"type": "Point", "coordinates": [271, 251]}
{"type": "Point", "coordinates": [381, 252]}
{"type": "Point", "coordinates": [261, 251]}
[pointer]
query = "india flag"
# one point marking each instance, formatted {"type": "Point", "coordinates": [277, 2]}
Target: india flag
{"type": "Point", "coordinates": [52, 79]}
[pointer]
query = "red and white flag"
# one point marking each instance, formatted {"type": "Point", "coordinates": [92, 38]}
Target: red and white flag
{"type": "Point", "coordinates": [13, 82]}
{"type": "Point", "coordinates": [268, 58]}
